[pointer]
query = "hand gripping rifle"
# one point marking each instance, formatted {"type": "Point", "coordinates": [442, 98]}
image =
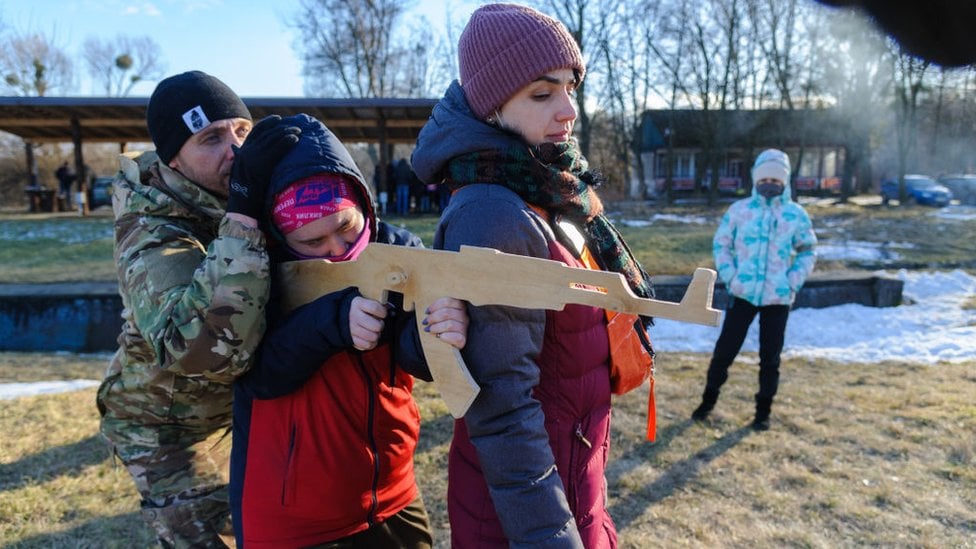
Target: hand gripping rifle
{"type": "Point", "coordinates": [480, 276]}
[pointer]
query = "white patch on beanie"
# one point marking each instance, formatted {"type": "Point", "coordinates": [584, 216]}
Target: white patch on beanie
{"type": "Point", "coordinates": [195, 119]}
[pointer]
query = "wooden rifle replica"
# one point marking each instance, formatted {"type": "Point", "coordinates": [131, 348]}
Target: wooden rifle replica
{"type": "Point", "coordinates": [480, 276]}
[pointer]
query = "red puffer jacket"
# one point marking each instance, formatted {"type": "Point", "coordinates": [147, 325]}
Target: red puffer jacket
{"type": "Point", "coordinates": [355, 416]}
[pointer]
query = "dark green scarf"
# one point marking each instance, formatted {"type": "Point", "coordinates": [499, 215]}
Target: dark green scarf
{"type": "Point", "coordinates": [554, 177]}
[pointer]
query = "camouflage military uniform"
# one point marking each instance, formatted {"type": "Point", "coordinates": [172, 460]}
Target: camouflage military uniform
{"type": "Point", "coordinates": [194, 287]}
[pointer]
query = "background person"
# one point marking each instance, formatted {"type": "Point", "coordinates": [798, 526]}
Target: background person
{"type": "Point", "coordinates": [764, 252]}
{"type": "Point", "coordinates": [193, 276]}
{"type": "Point", "coordinates": [501, 139]}
{"type": "Point", "coordinates": [65, 176]}
{"type": "Point", "coordinates": [403, 177]}
{"type": "Point", "coordinates": [325, 425]}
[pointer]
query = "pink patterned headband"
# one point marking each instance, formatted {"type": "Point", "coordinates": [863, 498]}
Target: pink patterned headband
{"type": "Point", "coordinates": [312, 198]}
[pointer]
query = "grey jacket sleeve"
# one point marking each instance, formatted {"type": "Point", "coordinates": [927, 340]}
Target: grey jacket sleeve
{"type": "Point", "coordinates": [502, 346]}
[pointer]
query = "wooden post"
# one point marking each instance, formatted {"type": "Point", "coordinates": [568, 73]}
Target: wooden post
{"type": "Point", "coordinates": [33, 182]}
{"type": "Point", "coordinates": [384, 162]}
{"type": "Point", "coordinates": [81, 172]}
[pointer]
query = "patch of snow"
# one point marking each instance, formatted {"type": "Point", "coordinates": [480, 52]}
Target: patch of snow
{"type": "Point", "coordinates": [933, 328]}
{"type": "Point", "coordinates": [14, 390]}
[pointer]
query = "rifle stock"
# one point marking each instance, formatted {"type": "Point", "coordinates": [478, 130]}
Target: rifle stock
{"type": "Point", "coordinates": [481, 276]}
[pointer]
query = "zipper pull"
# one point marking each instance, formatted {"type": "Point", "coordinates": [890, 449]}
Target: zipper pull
{"type": "Point", "coordinates": [579, 435]}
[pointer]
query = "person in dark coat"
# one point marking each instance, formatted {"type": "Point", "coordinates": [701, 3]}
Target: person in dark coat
{"type": "Point", "coordinates": [404, 178]}
{"type": "Point", "coordinates": [65, 177]}
{"type": "Point", "coordinates": [325, 424]}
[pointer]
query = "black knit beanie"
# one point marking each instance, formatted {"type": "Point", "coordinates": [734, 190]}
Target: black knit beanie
{"type": "Point", "coordinates": [184, 104]}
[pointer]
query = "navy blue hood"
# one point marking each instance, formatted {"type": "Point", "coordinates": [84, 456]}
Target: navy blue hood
{"type": "Point", "coordinates": [453, 130]}
{"type": "Point", "coordinates": [318, 150]}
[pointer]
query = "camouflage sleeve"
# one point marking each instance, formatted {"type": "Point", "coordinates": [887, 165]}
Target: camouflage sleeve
{"type": "Point", "coordinates": [202, 309]}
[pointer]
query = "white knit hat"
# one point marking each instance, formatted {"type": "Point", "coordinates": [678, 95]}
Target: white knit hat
{"type": "Point", "coordinates": [771, 164]}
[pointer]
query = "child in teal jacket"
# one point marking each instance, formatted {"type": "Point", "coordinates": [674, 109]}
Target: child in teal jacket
{"type": "Point", "coordinates": [764, 252]}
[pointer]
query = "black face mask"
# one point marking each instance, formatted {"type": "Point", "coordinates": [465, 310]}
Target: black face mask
{"type": "Point", "coordinates": [769, 190]}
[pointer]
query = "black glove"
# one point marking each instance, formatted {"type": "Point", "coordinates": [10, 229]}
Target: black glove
{"type": "Point", "coordinates": [255, 160]}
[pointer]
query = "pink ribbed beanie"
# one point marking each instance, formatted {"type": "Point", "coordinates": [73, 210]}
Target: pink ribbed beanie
{"type": "Point", "coordinates": [506, 46]}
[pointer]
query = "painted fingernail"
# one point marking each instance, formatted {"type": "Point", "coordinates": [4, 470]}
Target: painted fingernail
{"type": "Point", "coordinates": [424, 322]}
{"type": "Point", "coordinates": [426, 328]}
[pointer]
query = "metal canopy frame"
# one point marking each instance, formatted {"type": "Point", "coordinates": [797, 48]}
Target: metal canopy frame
{"type": "Point", "coordinates": [78, 120]}
{"type": "Point", "coordinates": [123, 119]}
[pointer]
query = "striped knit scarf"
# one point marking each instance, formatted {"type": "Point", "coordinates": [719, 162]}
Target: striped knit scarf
{"type": "Point", "coordinates": [554, 177]}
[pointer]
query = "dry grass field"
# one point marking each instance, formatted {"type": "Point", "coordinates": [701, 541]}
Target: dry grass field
{"type": "Point", "coordinates": [876, 455]}
{"type": "Point", "coordinates": [880, 455]}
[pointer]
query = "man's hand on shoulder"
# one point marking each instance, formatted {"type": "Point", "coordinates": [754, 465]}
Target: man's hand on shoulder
{"type": "Point", "coordinates": [255, 160]}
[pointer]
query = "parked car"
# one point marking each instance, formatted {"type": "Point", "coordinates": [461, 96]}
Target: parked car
{"type": "Point", "coordinates": [100, 192]}
{"type": "Point", "coordinates": [920, 189]}
{"type": "Point", "coordinates": [963, 187]}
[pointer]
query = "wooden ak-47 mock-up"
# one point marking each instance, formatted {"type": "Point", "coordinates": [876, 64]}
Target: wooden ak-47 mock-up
{"type": "Point", "coordinates": [480, 276]}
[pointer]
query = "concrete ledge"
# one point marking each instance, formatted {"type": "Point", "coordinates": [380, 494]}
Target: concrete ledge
{"type": "Point", "coordinates": [821, 290]}
{"type": "Point", "coordinates": [77, 317]}
{"type": "Point", "coordinates": [86, 317]}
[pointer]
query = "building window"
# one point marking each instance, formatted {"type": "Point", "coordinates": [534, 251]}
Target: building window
{"type": "Point", "coordinates": [733, 167]}
{"type": "Point", "coordinates": [830, 164]}
{"type": "Point", "coordinates": [684, 165]}
{"type": "Point", "coordinates": [810, 164]}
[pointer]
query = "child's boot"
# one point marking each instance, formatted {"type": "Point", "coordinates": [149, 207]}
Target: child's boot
{"type": "Point", "coordinates": [763, 407]}
{"type": "Point", "coordinates": [709, 397]}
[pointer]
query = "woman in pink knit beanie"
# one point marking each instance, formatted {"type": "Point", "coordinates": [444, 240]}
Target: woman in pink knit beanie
{"type": "Point", "coordinates": [526, 464]}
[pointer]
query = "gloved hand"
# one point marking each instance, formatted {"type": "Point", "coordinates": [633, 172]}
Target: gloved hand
{"type": "Point", "coordinates": [269, 141]}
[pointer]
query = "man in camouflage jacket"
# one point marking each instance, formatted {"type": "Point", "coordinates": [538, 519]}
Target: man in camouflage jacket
{"type": "Point", "coordinates": [194, 280]}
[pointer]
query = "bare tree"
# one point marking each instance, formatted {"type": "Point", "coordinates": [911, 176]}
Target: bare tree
{"type": "Point", "coordinates": [356, 49]}
{"type": "Point", "coordinates": [755, 87]}
{"type": "Point", "coordinates": [946, 122]}
{"type": "Point", "coordinates": [444, 54]}
{"type": "Point", "coordinates": [713, 52]}
{"type": "Point", "coordinates": [117, 65]}
{"type": "Point", "coordinates": [668, 49]}
{"type": "Point", "coordinates": [792, 47]}
{"type": "Point", "coordinates": [32, 65]}
{"type": "Point", "coordinates": [425, 64]}
{"type": "Point", "coordinates": [909, 82]}
{"type": "Point", "coordinates": [809, 70]}
{"type": "Point", "coordinates": [575, 14]}
{"type": "Point", "coordinates": [627, 32]}
{"type": "Point", "coordinates": [350, 49]}
{"type": "Point", "coordinates": [778, 44]}
{"type": "Point", "coordinates": [856, 78]}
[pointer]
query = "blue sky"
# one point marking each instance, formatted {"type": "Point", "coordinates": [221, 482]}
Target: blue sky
{"type": "Point", "coordinates": [246, 43]}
